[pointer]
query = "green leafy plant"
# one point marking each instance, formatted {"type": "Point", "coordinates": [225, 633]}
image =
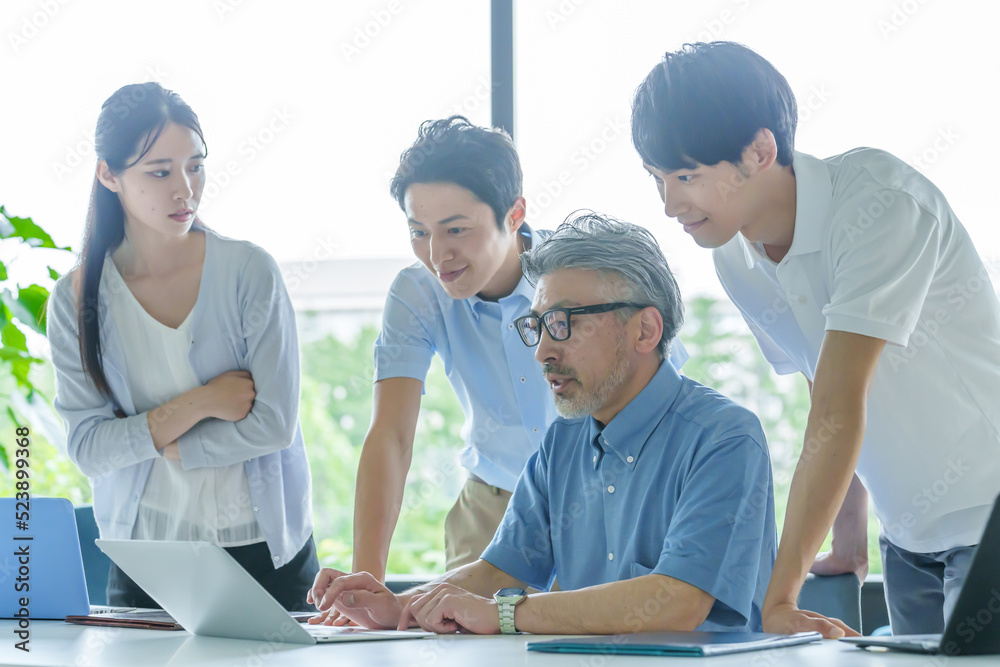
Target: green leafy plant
{"type": "Point", "coordinates": [22, 309]}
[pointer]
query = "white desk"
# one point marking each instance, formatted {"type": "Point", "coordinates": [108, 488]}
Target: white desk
{"type": "Point", "coordinates": [57, 643]}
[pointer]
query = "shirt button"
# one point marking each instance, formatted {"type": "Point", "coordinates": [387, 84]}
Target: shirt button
{"type": "Point", "coordinates": [275, 559]}
{"type": "Point", "coordinates": [510, 326]}
{"type": "Point", "coordinates": [630, 459]}
{"type": "Point", "coordinates": [256, 509]}
{"type": "Point", "coordinates": [534, 430]}
{"type": "Point", "coordinates": [611, 556]}
{"type": "Point", "coordinates": [801, 299]}
{"type": "Point", "coordinates": [611, 489]}
{"type": "Point", "coordinates": [523, 379]}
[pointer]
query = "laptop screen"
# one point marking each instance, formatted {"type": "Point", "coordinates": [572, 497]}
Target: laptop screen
{"type": "Point", "coordinates": [41, 570]}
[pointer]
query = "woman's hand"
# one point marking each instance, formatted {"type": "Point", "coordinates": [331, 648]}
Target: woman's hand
{"type": "Point", "coordinates": [230, 396]}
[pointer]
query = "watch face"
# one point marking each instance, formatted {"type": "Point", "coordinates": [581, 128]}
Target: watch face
{"type": "Point", "coordinates": [510, 592]}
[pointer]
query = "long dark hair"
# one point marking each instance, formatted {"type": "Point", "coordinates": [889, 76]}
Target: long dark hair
{"type": "Point", "coordinates": [131, 121]}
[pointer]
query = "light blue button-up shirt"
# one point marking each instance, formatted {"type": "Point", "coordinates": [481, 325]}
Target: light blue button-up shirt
{"type": "Point", "coordinates": [242, 320]}
{"type": "Point", "coordinates": [679, 484]}
{"type": "Point", "coordinates": [499, 384]}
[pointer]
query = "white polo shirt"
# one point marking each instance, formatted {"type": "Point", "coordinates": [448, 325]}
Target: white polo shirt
{"type": "Point", "coordinates": [878, 251]}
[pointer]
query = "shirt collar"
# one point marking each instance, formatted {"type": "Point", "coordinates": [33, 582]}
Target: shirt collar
{"type": "Point", "coordinates": [813, 199]}
{"type": "Point", "coordinates": [628, 432]}
{"type": "Point", "coordinates": [523, 291]}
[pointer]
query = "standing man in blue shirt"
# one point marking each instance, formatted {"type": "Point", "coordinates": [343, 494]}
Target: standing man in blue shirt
{"type": "Point", "coordinates": [460, 187]}
{"type": "Point", "coordinates": [651, 498]}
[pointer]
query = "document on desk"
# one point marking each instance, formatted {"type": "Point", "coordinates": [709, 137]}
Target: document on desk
{"type": "Point", "coordinates": [144, 619]}
{"type": "Point", "coordinates": [695, 644]}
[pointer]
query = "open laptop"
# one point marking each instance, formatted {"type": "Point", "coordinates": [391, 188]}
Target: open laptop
{"type": "Point", "coordinates": [974, 626]}
{"type": "Point", "coordinates": [55, 583]}
{"type": "Point", "coordinates": [210, 594]}
{"type": "Point", "coordinates": [40, 562]}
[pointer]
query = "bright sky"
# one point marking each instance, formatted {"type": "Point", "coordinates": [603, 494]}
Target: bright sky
{"type": "Point", "coordinates": [306, 106]}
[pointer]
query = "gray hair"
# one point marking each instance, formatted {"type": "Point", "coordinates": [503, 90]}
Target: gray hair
{"type": "Point", "coordinates": [627, 252]}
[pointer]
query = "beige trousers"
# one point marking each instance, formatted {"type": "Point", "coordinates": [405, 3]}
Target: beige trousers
{"type": "Point", "coordinates": [472, 522]}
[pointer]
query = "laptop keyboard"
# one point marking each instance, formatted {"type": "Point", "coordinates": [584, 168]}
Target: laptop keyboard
{"type": "Point", "coordinates": [331, 631]}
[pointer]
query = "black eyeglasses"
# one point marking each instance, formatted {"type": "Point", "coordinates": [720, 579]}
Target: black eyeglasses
{"type": "Point", "coordinates": [556, 321]}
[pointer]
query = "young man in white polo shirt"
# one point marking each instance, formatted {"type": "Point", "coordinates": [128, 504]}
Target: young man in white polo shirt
{"type": "Point", "coordinates": [854, 271]}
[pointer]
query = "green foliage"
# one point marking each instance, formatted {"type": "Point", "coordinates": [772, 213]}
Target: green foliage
{"type": "Point", "coordinates": [336, 408]}
{"type": "Point", "coordinates": [52, 473]}
{"type": "Point", "coordinates": [22, 309]}
{"type": "Point", "coordinates": [26, 230]}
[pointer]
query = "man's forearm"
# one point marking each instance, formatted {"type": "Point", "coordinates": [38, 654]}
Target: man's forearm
{"type": "Point", "coordinates": [850, 528]}
{"type": "Point", "coordinates": [377, 501]}
{"type": "Point", "coordinates": [820, 483]}
{"type": "Point", "coordinates": [479, 577]}
{"type": "Point", "coordinates": [653, 602]}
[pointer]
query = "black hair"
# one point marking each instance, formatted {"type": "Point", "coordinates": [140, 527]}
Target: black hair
{"type": "Point", "coordinates": [705, 103]}
{"type": "Point", "coordinates": [130, 122]}
{"type": "Point", "coordinates": [453, 150]}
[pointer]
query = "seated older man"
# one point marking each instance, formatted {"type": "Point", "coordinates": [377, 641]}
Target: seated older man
{"type": "Point", "coordinates": [650, 498]}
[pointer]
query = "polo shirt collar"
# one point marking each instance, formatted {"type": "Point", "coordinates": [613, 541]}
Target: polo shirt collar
{"type": "Point", "coordinates": [628, 432]}
{"type": "Point", "coordinates": [523, 290]}
{"type": "Point", "coordinates": [813, 200]}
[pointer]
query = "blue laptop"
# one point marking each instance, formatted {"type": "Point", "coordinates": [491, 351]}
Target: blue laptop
{"type": "Point", "coordinates": [41, 569]}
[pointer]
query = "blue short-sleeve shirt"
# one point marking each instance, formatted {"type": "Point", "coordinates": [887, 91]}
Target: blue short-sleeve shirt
{"type": "Point", "coordinates": [678, 484]}
{"type": "Point", "coordinates": [507, 404]}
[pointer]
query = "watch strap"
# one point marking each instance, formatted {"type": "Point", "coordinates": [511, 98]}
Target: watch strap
{"type": "Point", "coordinates": [506, 610]}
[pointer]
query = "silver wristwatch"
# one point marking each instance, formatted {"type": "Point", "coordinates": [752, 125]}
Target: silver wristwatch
{"type": "Point", "coordinates": [507, 599]}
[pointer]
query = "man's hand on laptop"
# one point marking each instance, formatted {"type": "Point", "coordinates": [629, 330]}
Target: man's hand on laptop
{"type": "Point", "coordinates": [359, 598]}
{"type": "Point", "coordinates": [448, 608]}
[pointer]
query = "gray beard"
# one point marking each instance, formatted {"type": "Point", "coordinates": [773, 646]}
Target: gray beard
{"type": "Point", "coordinates": [588, 402]}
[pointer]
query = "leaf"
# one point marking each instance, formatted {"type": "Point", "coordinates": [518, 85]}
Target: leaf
{"type": "Point", "coordinates": [33, 298]}
{"type": "Point", "coordinates": [3, 271]}
{"type": "Point", "coordinates": [15, 344]}
{"type": "Point", "coordinates": [26, 230]}
{"type": "Point", "coordinates": [53, 274]}
{"type": "Point", "coordinates": [19, 361]}
{"type": "Point", "coordinates": [12, 339]}
{"type": "Point", "coordinates": [20, 366]}
{"type": "Point", "coordinates": [17, 309]}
